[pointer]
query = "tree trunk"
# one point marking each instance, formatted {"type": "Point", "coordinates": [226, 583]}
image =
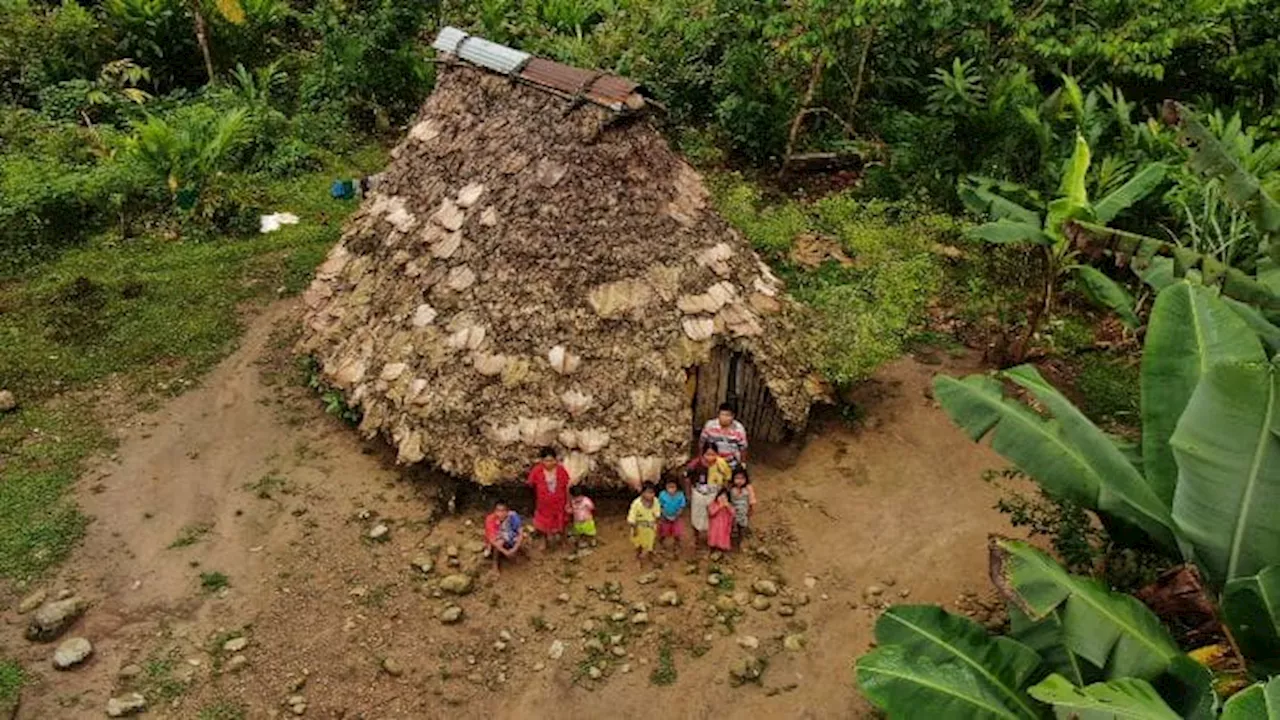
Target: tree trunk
{"type": "Point", "coordinates": [862, 68]}
{"type": "Point", "coordinates": [1040, 312]}
{"type": "Point", "coordinates": [202, 37]}
{"type": "Point", "coordinates": [815, 76]}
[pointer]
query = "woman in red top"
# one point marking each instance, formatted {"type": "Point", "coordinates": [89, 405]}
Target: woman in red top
{"type": "Point", "coordinates": [550, 483]}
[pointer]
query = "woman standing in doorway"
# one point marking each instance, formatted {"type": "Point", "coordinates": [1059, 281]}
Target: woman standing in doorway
{"type": "Point", "coordinates": [550, 483]}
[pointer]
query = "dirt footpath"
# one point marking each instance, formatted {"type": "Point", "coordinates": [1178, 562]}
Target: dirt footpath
{"type": "Point", "coordinates": [240, 510]}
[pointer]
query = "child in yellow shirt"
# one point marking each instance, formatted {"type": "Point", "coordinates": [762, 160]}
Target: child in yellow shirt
{"type": "Point", "coordinates": [643, 519]}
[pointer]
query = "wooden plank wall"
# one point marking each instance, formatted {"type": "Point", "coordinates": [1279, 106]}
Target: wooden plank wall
{"type": "Point", "coordinates": [756, 408]}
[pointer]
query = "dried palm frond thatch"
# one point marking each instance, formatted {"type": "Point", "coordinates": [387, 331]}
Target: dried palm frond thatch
{"type": "Point", "coordinates": [532, 272]}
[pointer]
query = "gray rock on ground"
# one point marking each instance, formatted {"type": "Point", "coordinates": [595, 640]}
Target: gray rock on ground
{"type": "Point", "coordinates": [458, 584]}
{"type": "Point", "coordinates": [451, 615]}
{"type": "Point", "coordinates": [72, 652]}
{"type": "Point", "coordinates": [236, 644]}
{"type": "Point", "coordinates": [7, 401]}
{"type": "Point", "coordinates": [768, 588]}
{"type": "Point", "coordinates": [745, 670]}
{"type": "Point", "coordinates": [125, 705]}
{"type": "Point", "coordinates": [32, 601]}
{"type": "Point", "coordinates": [53, 618]}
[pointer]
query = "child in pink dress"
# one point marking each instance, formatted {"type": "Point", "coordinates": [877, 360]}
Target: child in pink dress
{"type": "Point", "coordinates": [720, 522]}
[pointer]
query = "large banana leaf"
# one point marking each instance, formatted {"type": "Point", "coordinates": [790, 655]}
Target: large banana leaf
{"type": "Point", "coordinates": [1227, 445]}
{"type": "Point", "coordinates": [1120, 699]}
{"type": "Point", "coordinates": [1122, 491]}
{"type": "Point", "coordinates": [1242, 189]}
{"type": "Point", "coordinates": [1002, 665]}
{"type": "Point", "coordinates": [1005, 232]}
{"type": "Point", "coordinates": [1256, 702]}
{"type": "Point", "coordinates": [981, 199]}
{"type": "Point", "coordinates": [1267, 331]}
{"type": "Point", "coordinates": [911, 687]}
{"type": "Point", "coordinates": [1048, 638]}
{"type": "Point", "coordinates": [1138, 187]}
{"type": "Point", "coordinates": [1189, 331]}
{"type": "Point", "coordinates": [1107, 293]}
{"type": "Point", "coordinates": [1113, 631]}
{"type": "Point", "coordinates": [1072, 187]}
{"type": "Point", "coordinates": [1251, 607]}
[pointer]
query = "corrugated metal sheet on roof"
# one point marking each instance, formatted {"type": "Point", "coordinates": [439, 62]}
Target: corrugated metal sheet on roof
{"type": "Point", "coordinates": [478, 51]}
{"type": "Point", "coordinates": [616, 93]}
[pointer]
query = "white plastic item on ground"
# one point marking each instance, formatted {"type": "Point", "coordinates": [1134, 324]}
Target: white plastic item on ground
{"type": "Point", "coordinates": [274, 221]}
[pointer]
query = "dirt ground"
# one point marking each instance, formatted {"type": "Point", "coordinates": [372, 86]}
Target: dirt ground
{"type": "Point", "coordinates": [246, 476]}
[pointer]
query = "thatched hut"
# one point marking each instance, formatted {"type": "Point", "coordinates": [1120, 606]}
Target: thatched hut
{"type": "Point", "coordinates": [537, 267]}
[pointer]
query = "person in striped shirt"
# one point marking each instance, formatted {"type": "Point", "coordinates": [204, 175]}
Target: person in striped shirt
{"type": "Point", "coordinates": [727, 435]}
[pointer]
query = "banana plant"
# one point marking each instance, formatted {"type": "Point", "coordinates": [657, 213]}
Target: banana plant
{"type": "Point", "coordinates": [1013, 223]}
{"type": "Point", "coordinates": [929, 663]}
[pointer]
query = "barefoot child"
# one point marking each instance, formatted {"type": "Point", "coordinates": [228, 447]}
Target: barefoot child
{"type": "Point", "coordinates": [502, 533]}
{"type": "Point", "coordinates": [643, 519]}
{"type": "Point", "coordinates": [720, 522]}
{"type": "Point", "coordinates": [584, 514]}
{"type": "Point", "coordinates": [743, 499]}
{"type": "Point", "coordinates": [707, 473]}
{"type": "Point", "coordinates": [670, 525]}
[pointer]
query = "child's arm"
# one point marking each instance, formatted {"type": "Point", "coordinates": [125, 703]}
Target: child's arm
{"type": "Point", "coordinates": [751, 499]}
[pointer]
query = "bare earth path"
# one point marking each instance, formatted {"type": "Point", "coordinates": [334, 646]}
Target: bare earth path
{"type": "Point", "coordinates": [280, 498]}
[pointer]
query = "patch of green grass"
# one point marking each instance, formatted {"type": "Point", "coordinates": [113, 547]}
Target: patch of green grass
{"type": "Point", "coordinates": [223, 710]}
{"type": "Point", "coordinates": [154, 314]}
{"type": "Point", "coordinates": [538, 623]}
{"type": "Point", "coordinates": [12, 678]}
{"type": "Point", "coordinates": [664, 673]}
{"type": "Point", "coordinates": [266, 486]}
{"type": "Point", "coordinates": [41, 451]}
{"type": "Point", "coordinates": [190, 535]}
{"type": "Point", "coordinates": [1110, 389]}
{"type": "Point", "coordinates": [158, 683]}
{"type": "Point", "coordinates": [214, 581]}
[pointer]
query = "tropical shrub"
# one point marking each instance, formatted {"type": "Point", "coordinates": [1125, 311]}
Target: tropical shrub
{"type": "Point", "coordinates": [1206, 484]}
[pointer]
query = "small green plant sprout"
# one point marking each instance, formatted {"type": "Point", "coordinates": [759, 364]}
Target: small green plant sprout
{"type": "Point", "coordinates": [190, 535]}
{"type": "Point", "coordinates": [212, 582]}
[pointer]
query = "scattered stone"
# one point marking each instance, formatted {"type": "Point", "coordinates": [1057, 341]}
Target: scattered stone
{"type": "Point", "coordinates": [725, 604]}
{"type": "Point", "coordinates": [594, 673]}
{"type": "Point", "coordinates": [716, 556]}
{"type": "Point", "coordinates": [768, 588]}
{"type": "Point", "coordinates": [451, 615]}
{"type": "Point", "coordinates": [742, 597]}
{"type": "Point", "coordinates": [474, 547]}
{"type": "Point", "coordinates": [745, 670]}
{"type": "Point", "coordinates": [670, 597]}
{"type": "Point", "coordinates": [647, 578]}
{"type": "Point", "coordinates": [760, 603]}
{"type": "Point", "coordinates": [639, 606]}
{"type": "Point", "coordinates": [593, 645]}
{"type": "Point", "coordinates": [889, 581]}
{"type": "Point", "coordinates": [297, 704]}
{"type": "Point", "coordinates": [786, 610]}
{"type": "Point", "coordinates": [53, 618]}
{"type": "Point", "coordinates": [750, 642]}
{"type": "Point", "coordinates": [624, 668]}
{"type": "Point", "coordinates": [795, 642]}
{"type": "Point", "coordinates": [619, 651]}
{"type": "Point", "coordinates": [557, 650]}
{"type": "Point", "coordinates": [130, 671]}
{"type": "Point", "coordinates": [872, 591]}
{"type": "Point", "coordinates": [475, 678]}
{"type": "Point", "coordinates": [640, 619]}
{"type": "Point", "coordinates": [713, 579]}
{"type": "Point", "coordinates": [126, 705]}
{"type": "Point", "coordinates": [31, 602]}
{"type": "Point", "coordinates": [563, 597]}
{"type": "Point", "coordinates": [7, 401]}
{"type": "Point", "coordinates": [71, 653]}
{"type": "Point", "coordinates": [811, 582]}
{"type": "Point", "coordinates": [505, 636]}
{"type": "Point", "coordinates": [451, 551]}
{"type": "Point", "coordinates": [379, 532]}
{"type": "Point", "coordinates": [391, 667]}
{"type": "Point", "coordinates": [236, 663]}
{"type": "Point", "coordinates": [458, 584]}
{"type": "Point", "coordinates": [618, 617]}
{"type": "Point", "coordinates": [424, 563]}
{"type": "Point", "coordinates": [235, 645]}
{"type": "Point", "coordinates": [539, 666]}
{"type": "Point", "coordinates": [588, 626]}
{"type": "Point", "coordinates": [802, 598]}
{"type": "Point", "coordinates": [904, 592]}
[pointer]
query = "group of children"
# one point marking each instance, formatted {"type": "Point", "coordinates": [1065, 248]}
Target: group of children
{"type": "Point", "coordinates": [717, 493]}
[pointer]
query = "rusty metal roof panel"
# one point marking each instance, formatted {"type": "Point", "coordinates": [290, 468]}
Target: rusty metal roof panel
{"type": "Point", "coordinates": [478, 51]}
{"type": "Point", "coordinates": [611, 91]}
{"type": "Point", "coordinates": [604, 89]}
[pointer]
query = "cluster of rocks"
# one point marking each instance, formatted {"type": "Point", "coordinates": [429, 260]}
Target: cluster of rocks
{"type": "Point", "coordinates": [989, 612]}
{"type": "Point", "coordinates": [878, 596]}
{"type": "Point", "coordinates": [235, 647]}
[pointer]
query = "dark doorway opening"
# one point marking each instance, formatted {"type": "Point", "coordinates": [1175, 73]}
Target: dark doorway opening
{"type": "Point", "coordinates": [731, 376]}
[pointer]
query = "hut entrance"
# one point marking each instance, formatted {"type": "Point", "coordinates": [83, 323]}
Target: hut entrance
{"type": "Point", "coordinates": [730, 376]}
